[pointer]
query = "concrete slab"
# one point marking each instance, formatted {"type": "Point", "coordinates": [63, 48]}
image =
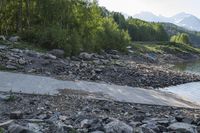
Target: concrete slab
{"type": "Point", "coordinates": [46, 85]}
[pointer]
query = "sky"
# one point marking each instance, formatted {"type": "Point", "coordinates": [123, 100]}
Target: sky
{"type": "Point", "coordinates": [159, 7]}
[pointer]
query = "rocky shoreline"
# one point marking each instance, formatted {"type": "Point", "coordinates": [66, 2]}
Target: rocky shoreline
{"type": "Point", "coordinates": [83, 112]}
{"type": "Point", "coordinates": [110, 67]}
{"type": "Point", "coordinates": [78, 113]}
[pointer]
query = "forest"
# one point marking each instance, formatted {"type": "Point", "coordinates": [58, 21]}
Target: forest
{"type": "Point", "coordinates": [74, 25]}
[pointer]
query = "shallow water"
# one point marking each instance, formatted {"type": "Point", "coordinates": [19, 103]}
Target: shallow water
{"type": "Point", "coordinates": [191, 67]}
{"type": "Point", "coordinates": [190, 91]}
{"type": "Point", "coordinates": [45, 85]}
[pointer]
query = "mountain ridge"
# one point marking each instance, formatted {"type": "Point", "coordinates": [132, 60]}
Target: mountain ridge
{"type": "Point", "coordinates": [182, 19]}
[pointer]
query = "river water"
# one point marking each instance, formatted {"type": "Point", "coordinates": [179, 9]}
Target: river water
{"type": "Point", "coordinates": [191, 67]}
{"type": "Point", "coordinates": [190, 91]}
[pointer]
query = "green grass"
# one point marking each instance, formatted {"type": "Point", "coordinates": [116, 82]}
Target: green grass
{"type": "Point", "coordinates": [25, 45]}
{"type": "Point", "coordinates": [164, 47]}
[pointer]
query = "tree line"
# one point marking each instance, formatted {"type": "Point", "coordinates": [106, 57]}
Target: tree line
{"type": "Point", "coordinates": [140, 30]}
{"type": "Point", "coordinates": [74, 25]}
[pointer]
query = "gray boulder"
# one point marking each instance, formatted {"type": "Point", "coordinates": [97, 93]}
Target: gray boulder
{"type": "Point", "coordinates": [145, 130]}
{"type": "Point", "coordinates": [16, 115]}
{"type": "Point", "coordinates": [97, 132]}
{"type": "Point", "coordinates": [49, 56]}
{"type": "Point", "coordinates": [58, 53]}
{"type": "Point", "coordinates": [2, 38]}
{"type": "Point", "coordinates": [22, 61]}
{"type": "Point", "coordinates": [183, 127]}
{"type": "Point", "coordinates": [3, 47]}
{"type": "Point", "coordinates": [150, 126]}
{"type": "Point", "coordinates": [34, 127]}
{"type": "Point", "coordinates": [14, 39]}
{"type": "Point", "coordinates": [4, 97]}
{"type": "Point", "coordinates": [62, 128]}
{"type": "Point", "coordinates": [6, 124]}
{"type": "Point", "coordinates": [11, 67]}
{"type": "Point", "coordinates": [117, 126]}
{"type": "Point", "coordinates": [86, 56]}
{"type": "Point", "coordinates": [18, 129]}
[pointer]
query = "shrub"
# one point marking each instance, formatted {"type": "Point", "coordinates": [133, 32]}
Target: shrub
{"type": "Point", "coordinates": [111, 37]}
{"type": "Point", "coordinates": [180, 38]}
{"type": "Point", "coordinates": [49, 38]}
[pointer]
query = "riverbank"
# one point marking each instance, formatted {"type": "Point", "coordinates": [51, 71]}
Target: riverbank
{"type": "Point", "coordinates": [86, 112]}
{"type": "Point", "coordinates": [108, 67]}
{"type": "Point", "coordinates": [77, 112]}
{"type": "Point", "coordinates": [31, 84]}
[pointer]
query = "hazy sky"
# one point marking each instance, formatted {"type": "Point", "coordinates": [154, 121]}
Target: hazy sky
{"type": "Point", "coordinates": [163, 7]}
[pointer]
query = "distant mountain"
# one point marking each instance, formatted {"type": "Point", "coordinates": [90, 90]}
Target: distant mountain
{"type": "Point", "coordinates": [148, 16]}
{"type": "Point", "coordinates": [191, 22]}
{"type": "Point", "coordinates": [185, 20]}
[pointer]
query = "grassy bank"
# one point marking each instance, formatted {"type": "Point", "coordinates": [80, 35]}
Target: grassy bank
{"type": "Point", "coordinates": [138, 47]}
{"type": "Point", "coordinates": [164, 48]}
{"type": "Point", "coordinates": [23, 45]}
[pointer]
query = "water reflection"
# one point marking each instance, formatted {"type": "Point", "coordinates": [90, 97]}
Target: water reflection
{"type": "Point", "coordinates": [191, 67]}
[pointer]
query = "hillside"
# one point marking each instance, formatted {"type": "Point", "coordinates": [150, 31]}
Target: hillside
{"type": "Point", "coordinates": [185, 20]}
{"type": "Point", "coordinates": [172, 29]}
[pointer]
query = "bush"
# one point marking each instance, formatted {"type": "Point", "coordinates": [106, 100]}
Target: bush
{"type": "Point", "coordinates": [180, 38]}
{"type": "Point", "coordinates": [29, 35]}
{"type": "Point", "coordinates": [108, 36]}
{"type": "Point", "coordinates": [49, 38]}
{"type": "Point", "coordinates": [111, 37]}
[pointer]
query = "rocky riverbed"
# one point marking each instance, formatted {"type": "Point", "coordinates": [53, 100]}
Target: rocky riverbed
{"type": "Point", "coordinates": [85, 112]}
{"type": "Point", "coordinates": [77, 112]}
{"type": "Point", "coordinates": [109, 67]}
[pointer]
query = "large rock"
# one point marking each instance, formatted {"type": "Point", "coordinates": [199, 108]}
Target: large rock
{"type": "Point", "coordinates": [3, 47]}
{"type": "Point", "coordinates": [117, 126]}
{"type": "Point", "coordinates": [14, 39]}
{"type": "Point", "coordinates": [11, 67]}
{"type": "Point", "coordinates": [34, 127]}
{"type": "Point", "coordinates": [150, 126]}
{"type": "Point", "coordinates": [6, 124]}
{"type": "Point", "coordinates": [50, 56]}
{"type": "Point", "coordinates": [4, 97]}
{"type": "Point", "coordinates": [145, 130]}
{"type": "Point", "coordinates": [183, 127]}
{"type": "Point", "coordinates": [86, 56]}
{"type": "Point", "coordinates": [62, 128]}
{"type": "Point", "coordinates": [58, 53]}
{"type": "Point", "coordinates": [92, 124]}
{"type": "Point", "coordinates": [18, 129]}
{"type": "Point", "coordinates": [22, 61]}
{"type": "Point", "coordinates": [2, 38]}
{"type": "Point", "coordinates": [16, 115]}
{"type": "Point", "coordinates": [97, 132]}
